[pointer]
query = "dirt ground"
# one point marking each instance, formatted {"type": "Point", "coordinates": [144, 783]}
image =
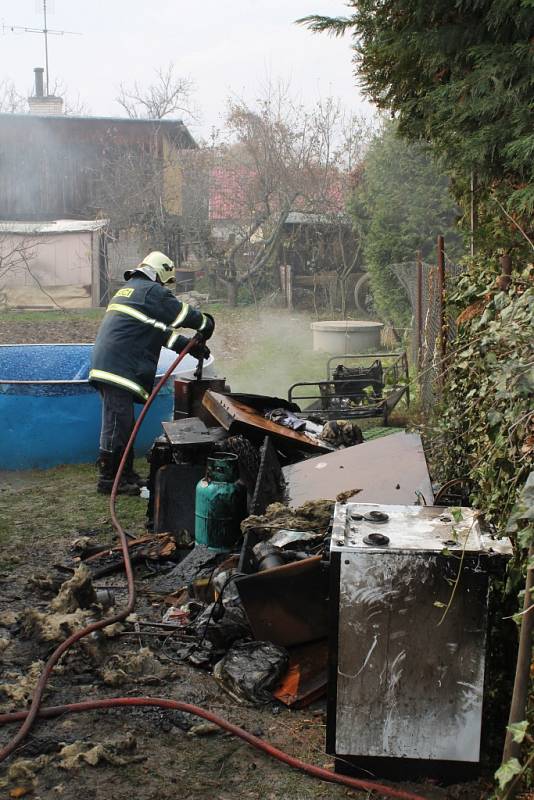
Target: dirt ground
{"type": "Point", "coordinates": [146, 754]}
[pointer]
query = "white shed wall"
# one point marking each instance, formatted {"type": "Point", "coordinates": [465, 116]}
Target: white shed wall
{"type": "Point", "coordinates": [62, 264]}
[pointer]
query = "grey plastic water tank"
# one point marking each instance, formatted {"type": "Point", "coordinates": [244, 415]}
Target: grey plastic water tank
{"type": "Point", "coordinates": [345, 336]}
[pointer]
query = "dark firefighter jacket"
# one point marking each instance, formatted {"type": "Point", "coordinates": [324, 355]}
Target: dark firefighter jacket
{"type": "Point", "coordinates": [134, 329]}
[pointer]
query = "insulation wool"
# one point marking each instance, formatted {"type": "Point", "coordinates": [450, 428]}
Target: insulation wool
{"type": "Point", "coordinates": [134, 667]}
{"type": "Point", "coordinates": [53, 627]}
{"type": "Point", "coordinates": [77, 592]}
{"type": "Point", "coordinates": [77, 754]}
{"type": "Point", "coordinates": [314, 516]}
{"type": "Point", "coordinates": [21, 689]}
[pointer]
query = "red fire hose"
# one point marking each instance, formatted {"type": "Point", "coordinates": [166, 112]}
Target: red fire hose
{"type": "Point", "coordinates": [35, 709]}
{"type": "Point", "coordinates": [260, 744]}
{"type": "Point", "coordinates": [121, 615]}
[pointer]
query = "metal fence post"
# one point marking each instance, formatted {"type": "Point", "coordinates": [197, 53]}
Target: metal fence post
{"type": "Point", "coordinates": [441, 309]}
{"type": "Point", "coordinates": [419, 312]}
{"type": "Point", "coordinates": [441, 296]}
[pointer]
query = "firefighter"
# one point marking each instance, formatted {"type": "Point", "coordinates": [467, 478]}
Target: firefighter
{"type": "Point", "coordinates": [141, 318]}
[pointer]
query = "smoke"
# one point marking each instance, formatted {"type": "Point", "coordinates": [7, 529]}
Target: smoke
{"type": "Point", "coordinates": [264, 352]}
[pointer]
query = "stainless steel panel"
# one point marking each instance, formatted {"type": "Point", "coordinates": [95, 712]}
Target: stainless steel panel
{"type": "Point", "coordinates": [407, 686]}
{"type": "Point", "coordinates": [410, 677]}
{"type": "Point", "coordinates": [429, 528]}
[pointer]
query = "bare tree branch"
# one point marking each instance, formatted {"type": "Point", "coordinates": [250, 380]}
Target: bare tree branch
{"type": "Point", "coordinates": [73, 105]}
{"type": "Point", "coordinates": [166, 95]}
{"type": "Point", "coordinates": [282, 157]}
{"type": "Point", "coordinates": [11, 100]}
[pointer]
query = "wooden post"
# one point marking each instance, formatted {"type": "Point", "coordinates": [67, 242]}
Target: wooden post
{"type": "Point", "coordinates": [419, 312]}
{"type": "Point", "coordinates": [289, 286]}
{"type": "Point", "coordinates": [505, 278]}
{"type": "Point", "coordinates": [473, 212]}
{"type": "Point", "coordinates": [283, 281]}
{"type": "Point", "coordinates": [518, 708]}
{"type": "Point", "coordinates": [211, 270]}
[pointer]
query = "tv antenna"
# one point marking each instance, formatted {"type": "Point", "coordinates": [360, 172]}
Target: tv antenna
{"type": "Point", "coordinates": [45, 30]}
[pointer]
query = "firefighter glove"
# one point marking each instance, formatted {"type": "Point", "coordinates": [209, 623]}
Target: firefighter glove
{"type": "Point", "coordinates": [199, 350]}
{"type": "Point", "coordinates": [207, 327]}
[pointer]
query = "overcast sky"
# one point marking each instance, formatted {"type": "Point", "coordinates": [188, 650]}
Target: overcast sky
{"type": "Point", "coordinates": [228, 47]}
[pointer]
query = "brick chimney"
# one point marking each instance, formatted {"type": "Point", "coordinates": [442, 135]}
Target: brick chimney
{"type": "Point", "coordinates": [44, 104]}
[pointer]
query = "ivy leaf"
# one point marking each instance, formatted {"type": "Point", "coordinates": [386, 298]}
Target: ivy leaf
{"type": "Point", "coordinates": [518, 730]}
{"type": "Point", "coordinates": [439, 604]}
{"type": "Point", "coordinates": [456, 514]}
{"type": "Point", "coordinates": [507, 771]}
{"type": "Point", "coordinates": [525, 384]}
{"type": "Point", "coordinates": [494, 417]}
{"type": "Point", "coordinates": [525, 537]}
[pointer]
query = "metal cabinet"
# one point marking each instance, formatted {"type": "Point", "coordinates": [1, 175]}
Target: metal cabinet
{"type": "Point", "coordinates": [406, 668]}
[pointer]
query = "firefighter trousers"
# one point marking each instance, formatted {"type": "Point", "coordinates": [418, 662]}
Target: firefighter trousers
{"type": "Point", "coordinates": [117, 418]}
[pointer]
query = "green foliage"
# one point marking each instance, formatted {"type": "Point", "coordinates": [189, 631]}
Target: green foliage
{"type": "Point", "coordinates": [518, 730]}
{"type": "Point", "coordinates": [521, 521]}
{"type": "Point", "coordinates": [401, 202]}
{"type": "Point", "coordinates": [486, 424]}
{"type": "Point", "coordinates": [507, 771]}
{"type": "Point", "coordinates": [496, 229]}
{"type": "Point", "coordinates": [484, 430]}
{"type": "Point", "coordinates": [458, 75]}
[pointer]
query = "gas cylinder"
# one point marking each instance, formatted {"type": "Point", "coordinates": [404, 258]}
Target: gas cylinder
{"type": "Point", "coordinates": [220, 504]}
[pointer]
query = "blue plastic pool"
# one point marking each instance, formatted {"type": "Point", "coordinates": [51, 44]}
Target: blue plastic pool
{"type": "Point", "coordinates": [49, 414]}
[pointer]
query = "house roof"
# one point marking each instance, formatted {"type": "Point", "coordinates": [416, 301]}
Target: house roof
{"type": "Point", "coordinates": [54, 226]}
{"type": "Point", "coordinates": [232, 191]}
{"type": "Point", "coordinates": [228, 192]}
{"type": "Point", "coordinates": [69, 117]}
{"type": "Point", "coordinates": [168, 126]}
{"type": "Point", "coordinates": [311, 218]}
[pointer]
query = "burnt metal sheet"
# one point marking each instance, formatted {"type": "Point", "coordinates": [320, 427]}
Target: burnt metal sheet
{"type": "Point", "coordinates": [237, 417]}
{"type": "Point", "coordinates": [188, 396]}
{"type": "Point", "coordinates": [306, 676]}
{"type": "Point", "coordinates": [174, 498]}
{"type": "Point", "coordinates": [391, 469]}
{"type": "Point", "coordinates": [287, 605]}
{"type": "Point", "coordinates": [191, 432]}
{"type": "Point", "coordinates": [262, 402]}
{"type": "Point", "coordinates": [270, 481]}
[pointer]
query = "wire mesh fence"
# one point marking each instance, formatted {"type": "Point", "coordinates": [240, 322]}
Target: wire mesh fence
{"type": "Point", "coordinates": [424, 288]}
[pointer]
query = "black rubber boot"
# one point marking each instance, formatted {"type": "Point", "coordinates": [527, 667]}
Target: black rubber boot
{"type": "Point", "coordinates": [108, 464]}
{"type": "Point", "coordinates": [130, 475]}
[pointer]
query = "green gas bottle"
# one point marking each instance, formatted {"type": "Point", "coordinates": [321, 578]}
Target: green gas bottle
{"type": "Point", "coordinates": [220, 504]}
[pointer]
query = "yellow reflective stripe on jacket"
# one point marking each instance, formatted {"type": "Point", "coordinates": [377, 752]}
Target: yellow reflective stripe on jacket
{"type": "Point", "coordinates": [100, 374]}
{"type": "Point", "coordinates": [204, 323]}
{"type": "Point", "coordinates": [133, 312]}
{"type": "Point", "coordinates": [181, 316]}
{"type": "Point", "coordinates": [172, 338]}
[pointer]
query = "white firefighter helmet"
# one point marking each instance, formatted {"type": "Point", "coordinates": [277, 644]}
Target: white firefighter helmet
{"type": "Point", "coordinates": [156, 266]}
